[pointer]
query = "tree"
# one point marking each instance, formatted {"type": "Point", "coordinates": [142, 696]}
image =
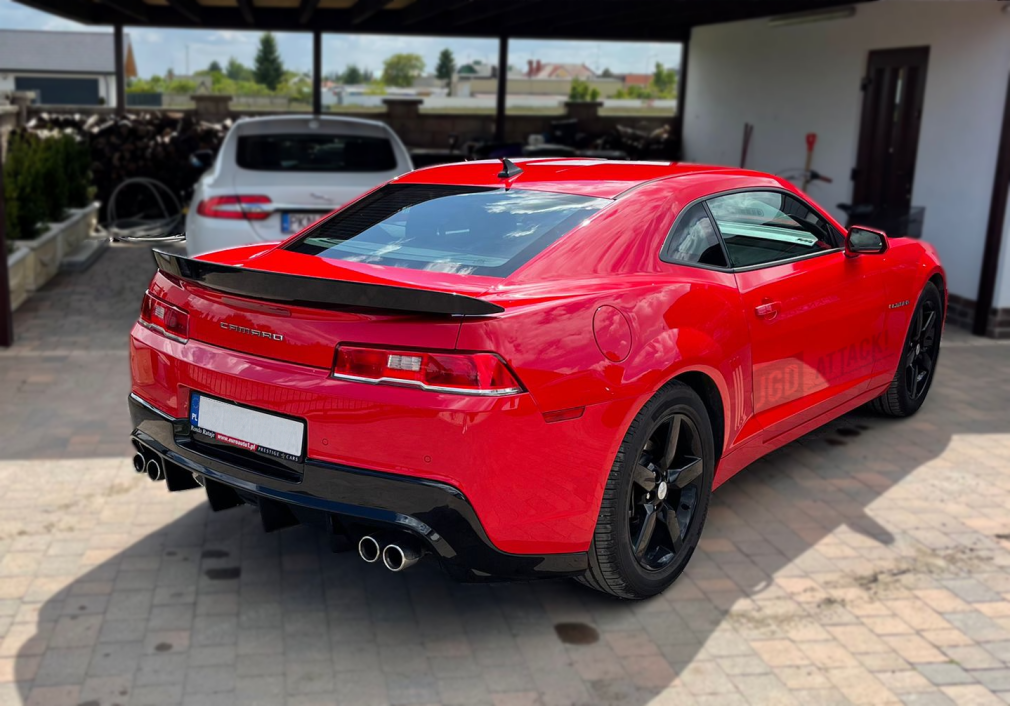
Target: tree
{"type": "Point", "coordinates": [582, 91]}
{"type": "Point", "coordinates": [664, 81]}
{"type": "Point", "coordinates": [237, 71]}
{"type": "Point", "coordinates": [269, 69]}
{"type": "Point", "coordinates": [215, 67]}
{"type": "Point", "coordinates": [446, 65]}
{"type": "Point", "coordinates": [401, 69]}
{"type": "Point", "coordinates": [353, 76]}
{"type": "Point", "coordinates": [181, 86]}
{"type": "Point", "coordinates": [607, 73]}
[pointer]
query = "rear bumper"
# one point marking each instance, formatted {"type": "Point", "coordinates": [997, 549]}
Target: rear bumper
{"type": "Point", "coordinates": [535, 486]}
{"type": "Point", "coordinates": [358, 500]}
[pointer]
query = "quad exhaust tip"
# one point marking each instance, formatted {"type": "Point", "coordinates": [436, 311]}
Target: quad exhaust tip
{"type": "Point", "coordinates": [369, 549]}
{"type": "Point", "coordinates": [398, 558]}
{"type": "Point", "coordinates": [138, 463]}
{"type": "Point", "coordinates": [155, 471]}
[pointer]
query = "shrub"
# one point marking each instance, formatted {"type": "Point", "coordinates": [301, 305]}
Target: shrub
{"type": "Point", "coordinates": [25, 203]}
{"type": "Point", "coordinates": [582, 91]}
{"type": "Point", "coordinates": [43, 176]}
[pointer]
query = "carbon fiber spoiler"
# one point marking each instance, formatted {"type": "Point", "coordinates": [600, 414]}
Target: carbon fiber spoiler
{"type": "Point", "coordinates": [319, 293]}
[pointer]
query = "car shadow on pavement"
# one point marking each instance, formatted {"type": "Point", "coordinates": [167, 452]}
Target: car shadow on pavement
{"type": "Point", "coordinates": [207, 609]}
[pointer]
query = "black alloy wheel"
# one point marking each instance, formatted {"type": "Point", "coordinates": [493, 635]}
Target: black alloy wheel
{"type": "Point", "coordinates": [923, 345]}
{"type": "Point", "coordinates": [919, 355]}
{"type": "Point", "coordinates": [665, 491]}
{"type": "Point", "coordinates": [656, 497]}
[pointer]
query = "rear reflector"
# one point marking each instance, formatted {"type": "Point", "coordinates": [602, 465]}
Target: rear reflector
{"type": "Point", "coordinates": [563, 415]}
{"type": "Point", "coordinates": [249, 208]}
{"type": "Point", "coordinates": [481, 374]}
{"type": "Point", "coordinates": [164, 318]}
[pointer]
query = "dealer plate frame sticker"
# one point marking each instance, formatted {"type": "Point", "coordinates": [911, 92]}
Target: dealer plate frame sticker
{"type": "Point", "coordinates": [246, 428]}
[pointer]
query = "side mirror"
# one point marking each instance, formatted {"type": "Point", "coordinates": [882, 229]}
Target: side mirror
{"type": "Point", "coordinates": [201, 159]}
{"type": "Point", "coordinates": [865, 241]}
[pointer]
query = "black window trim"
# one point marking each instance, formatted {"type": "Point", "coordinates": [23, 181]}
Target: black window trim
{"type": "Point", "coordinates": [664, 253]}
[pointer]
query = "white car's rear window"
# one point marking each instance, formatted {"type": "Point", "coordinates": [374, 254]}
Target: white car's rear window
{"type": "Point", "coordinates": [321, 152]}
{"type": "Point", "coordinates": [459, 229]}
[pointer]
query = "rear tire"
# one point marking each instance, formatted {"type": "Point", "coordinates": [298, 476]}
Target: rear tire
{"type": "Point", "coordinates": [656, 498]}
{"type": "Point", "coordinates": [919, 355]}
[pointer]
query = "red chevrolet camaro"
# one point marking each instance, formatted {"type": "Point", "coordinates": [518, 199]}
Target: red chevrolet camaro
{"type": "Point", "coordinates": [531, 369]}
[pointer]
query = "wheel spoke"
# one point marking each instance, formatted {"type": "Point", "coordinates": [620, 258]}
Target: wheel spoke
{"type": "Point", "coordinates": [923, 375]}
{"type": "Point", "coordinates": [646, 531]}
{"type": "Point", "coordinates": [644, 477]}
{"type": "Point", "coordinates": [673, 527]}
{"type": "Point", "coordinates": [686, 474]}
{"type": "Point", "coordinates": [670, 442]}
{"type": "Point", "coordinates": [928, 326]}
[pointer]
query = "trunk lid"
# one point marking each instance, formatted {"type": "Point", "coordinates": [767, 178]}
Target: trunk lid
{"type": "Point", "coordinates": [298, 200]}
{"type": "Point", "coordinates": [310, 305]}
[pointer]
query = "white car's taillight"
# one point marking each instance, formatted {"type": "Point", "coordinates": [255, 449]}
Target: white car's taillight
{"type": "Point", "coordinates": [248, 208]}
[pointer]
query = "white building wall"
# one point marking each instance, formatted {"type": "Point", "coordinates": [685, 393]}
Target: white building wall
{"type": "Point", "coordinates": [792, 80]}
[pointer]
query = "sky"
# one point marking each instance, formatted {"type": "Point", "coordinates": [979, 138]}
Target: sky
{"type": "Point", "coordinates": [157, 50]}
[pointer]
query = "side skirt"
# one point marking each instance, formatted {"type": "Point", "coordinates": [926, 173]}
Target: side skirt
{"type": "Point", "coordinates": [735, 461]}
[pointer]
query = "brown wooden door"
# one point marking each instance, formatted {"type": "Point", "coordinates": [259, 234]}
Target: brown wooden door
{"type": "Point", "coordinates": [893, 92]}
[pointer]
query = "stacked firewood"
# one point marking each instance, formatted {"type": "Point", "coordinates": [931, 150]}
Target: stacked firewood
{"type": "Point", "coordinates": [151, 145]}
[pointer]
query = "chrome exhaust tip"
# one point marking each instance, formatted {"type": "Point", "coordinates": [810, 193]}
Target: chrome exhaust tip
{"type": "Point", "coordinates": [369, 549]}
{"type": "Point", "coordinates": [138, 463]}
{"type": "Point", "coordinates": [155, 471]}
{"type": "Point", "coordinates": [399, 557]}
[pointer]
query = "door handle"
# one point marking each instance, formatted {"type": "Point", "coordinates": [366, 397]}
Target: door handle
{"type": "Point", "coordinates": [767, 310]}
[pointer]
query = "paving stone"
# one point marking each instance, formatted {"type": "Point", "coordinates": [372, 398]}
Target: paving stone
{"type": "Point", "coordinates": [944, 674]}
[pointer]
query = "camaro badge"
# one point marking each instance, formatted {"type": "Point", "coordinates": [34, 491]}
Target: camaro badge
{"type": "Point", "coordinates": [252, 332]}
{"type": "Point", "coordinates": [897, 305]}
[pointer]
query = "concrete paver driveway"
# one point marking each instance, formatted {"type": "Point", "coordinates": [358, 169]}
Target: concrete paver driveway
{"type": "Point", "coordinates": [868, 562]}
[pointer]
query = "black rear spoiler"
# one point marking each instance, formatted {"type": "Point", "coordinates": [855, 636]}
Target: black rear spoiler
{"type": "Point", "coordinates": [319, 293]}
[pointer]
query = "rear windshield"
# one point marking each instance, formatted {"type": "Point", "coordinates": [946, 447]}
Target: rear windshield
{"type": "Point", "coordinates": [458, 229]}
{"type": "Point", "coordinates": [316, 152]}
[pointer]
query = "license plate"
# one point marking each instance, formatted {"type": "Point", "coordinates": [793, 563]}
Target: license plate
{"type": "Point", "coordinates": [294, 222]}
{"type": "Point", "coordinates": [246, 428]}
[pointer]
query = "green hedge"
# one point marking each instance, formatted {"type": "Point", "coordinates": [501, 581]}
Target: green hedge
{"type": "Point", "coordinates": [43, 177]}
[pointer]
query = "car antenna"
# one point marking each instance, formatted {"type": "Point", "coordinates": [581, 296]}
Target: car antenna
{"type": "Point", "coordinates": [509, 169]}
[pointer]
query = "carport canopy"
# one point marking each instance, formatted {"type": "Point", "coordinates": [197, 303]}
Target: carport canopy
{"type": "Point", "coordinates": [593, 20]}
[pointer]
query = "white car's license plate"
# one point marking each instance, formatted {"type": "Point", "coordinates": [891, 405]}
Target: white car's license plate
{"type": "Point", "coordinates": [294, 222]}
{"type": "Point", "coordinates": [246, 428]}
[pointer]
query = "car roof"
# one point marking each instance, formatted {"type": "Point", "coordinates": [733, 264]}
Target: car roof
{"type": "Point", "coordinates": [590, 177]}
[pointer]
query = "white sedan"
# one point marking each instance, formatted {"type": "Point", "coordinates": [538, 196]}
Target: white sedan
{"type": "Point", "coordinates": [274, 176]}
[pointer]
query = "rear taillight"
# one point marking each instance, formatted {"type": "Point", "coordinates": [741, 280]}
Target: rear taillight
{"type": "Point", "coordinates": [164, 318]}
{"type": "Point", "coordinates": [482, 374]}
{"type": "Point", "coordinates": [249, 208]}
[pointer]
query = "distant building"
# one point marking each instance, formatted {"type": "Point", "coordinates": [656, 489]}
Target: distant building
{"type": "Point", "coordinates": [538, 69]}
{"type": "Point", "coordinates": [62, 68]}
{"type": "Point", "coordinates": [636, 80]}
{"type": "Point", "coordinates": [477, 69]}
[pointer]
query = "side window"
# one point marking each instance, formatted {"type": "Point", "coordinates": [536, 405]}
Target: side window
{"type": "Point", "coordinates": [760, 227]}
{"type": "Point", "coordinates": [694, 240]}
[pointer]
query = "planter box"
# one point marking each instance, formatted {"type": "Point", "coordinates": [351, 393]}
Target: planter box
{"type": "Point", "coordinates": [77, 227]}
{"type": "Point", "coordinates": [45, 257]}
{"type": "Point", "coordinates": [20, 264]}
{"type": "Point", "coordinates": [61, 239]}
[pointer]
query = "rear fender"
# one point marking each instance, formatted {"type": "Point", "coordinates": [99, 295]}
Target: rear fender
{"type": "Point", "coordinates": [553, 348]}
